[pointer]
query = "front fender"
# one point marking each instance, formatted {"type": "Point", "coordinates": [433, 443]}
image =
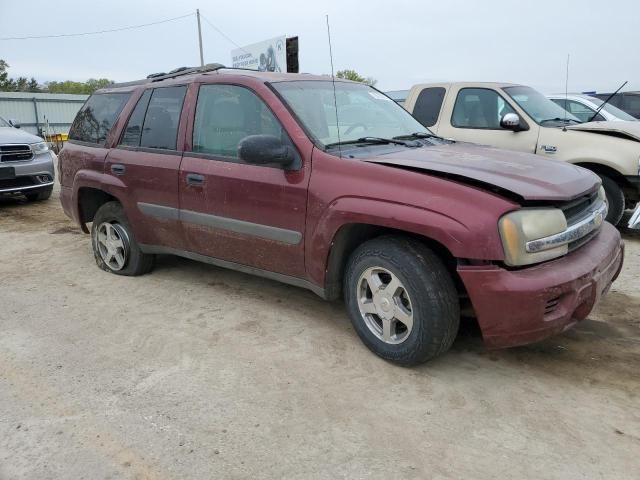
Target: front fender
{"type": "Point", "coordinates": [461, 239]}
{"type": "Point", "coordinates": [573, 146]}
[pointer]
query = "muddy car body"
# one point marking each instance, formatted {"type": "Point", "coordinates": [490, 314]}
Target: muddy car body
{"type": "Point", "coordinates": [252, 171]}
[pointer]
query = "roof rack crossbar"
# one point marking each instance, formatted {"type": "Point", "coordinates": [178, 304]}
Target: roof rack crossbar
{"type": "Point", "coordinates": [178, 72]}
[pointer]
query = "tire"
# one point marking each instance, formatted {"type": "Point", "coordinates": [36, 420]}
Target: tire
{"type": "Point", "coordinates": [427, 291]}
{"type": "Point", "coordinates": [123, 255]}
{"type": "Point", "coordinates": [615, 199]}
{"type": "Point", "coordinates": [39, 195]}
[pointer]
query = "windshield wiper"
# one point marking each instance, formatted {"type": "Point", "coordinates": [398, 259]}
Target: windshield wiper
{"type": "Point", "coordinates": [557, 119]}
{"type": "Point", "coordinates": [418, 135]}
{"type": "Point", "coordinates": [372, 140]}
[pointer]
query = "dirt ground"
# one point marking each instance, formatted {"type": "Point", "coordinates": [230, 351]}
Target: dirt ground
{"type": "Point", "coordinates": [195, 372]}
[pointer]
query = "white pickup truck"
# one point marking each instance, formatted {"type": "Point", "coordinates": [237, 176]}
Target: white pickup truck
{"type": "Point", "coordinates": [517, 117]}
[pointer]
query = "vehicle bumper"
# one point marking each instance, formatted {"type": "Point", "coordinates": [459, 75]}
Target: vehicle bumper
{"type": "Point", "coordinates": [66, 199]}
{"type": "Point", "coordinates": [32, 175]}
{"type": "Point", "coordinates": [517, 307]}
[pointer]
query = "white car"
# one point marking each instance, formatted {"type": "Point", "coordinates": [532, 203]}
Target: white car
{"type": "Point", "coordinates": [584, 107]}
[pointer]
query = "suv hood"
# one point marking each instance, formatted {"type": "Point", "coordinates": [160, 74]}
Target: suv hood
{"type": "Point", "coordinates": [15, 135]}
{"type": "Point", "coordinates": [526, 175]}
{"type": "Point", "coordinates": [623, 129]}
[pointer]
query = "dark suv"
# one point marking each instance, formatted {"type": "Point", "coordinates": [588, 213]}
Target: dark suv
{"type": "Point", "coordinates": [336, 188]}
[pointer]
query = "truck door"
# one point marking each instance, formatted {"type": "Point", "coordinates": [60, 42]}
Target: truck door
{"type": "Point", "coordinates": [252, 215]}
{"type": "Point", "coordinates": [146, 162]}
{"type": "Point", "coordinates": [473, 114]}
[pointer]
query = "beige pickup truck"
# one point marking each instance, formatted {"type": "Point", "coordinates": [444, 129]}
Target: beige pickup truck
{"type": "Point", "coordinates": [517, 117]}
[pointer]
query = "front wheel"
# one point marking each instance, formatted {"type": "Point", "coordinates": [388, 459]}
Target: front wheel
{"type": "Point", "coordinates": [615, 200]}
{"type": "Point", "coordinates": [401, 300]}
{"type": "Point", "coordinates": [114, 246]}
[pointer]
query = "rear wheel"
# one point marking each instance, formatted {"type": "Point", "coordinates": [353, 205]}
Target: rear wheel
{"type": "Point", "coordinates": [114, 246]}
{"type": "Point", "coordinates": [39, 195]}
{"type": "Point", "coordinates": [615, 199]}
{"type": "Point", "coordinates": [401, 299]}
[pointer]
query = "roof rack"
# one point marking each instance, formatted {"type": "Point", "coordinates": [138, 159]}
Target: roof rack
{"type": "Point", "coordinates": [177, 72]}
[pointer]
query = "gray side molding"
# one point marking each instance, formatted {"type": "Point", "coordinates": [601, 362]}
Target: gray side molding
{"type": "Point", "coordinates": [240, 226]}
{"type": "Point", "coordinates": [159, 211]}
{"type": "Point", "coordinates": [267, 232]}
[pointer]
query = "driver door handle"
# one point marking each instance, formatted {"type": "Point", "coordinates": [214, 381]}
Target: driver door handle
{"type": "Point", "coordinates": [195, 179]}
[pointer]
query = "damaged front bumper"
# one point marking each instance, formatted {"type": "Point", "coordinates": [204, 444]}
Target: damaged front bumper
{"type": "Point", "coordinates": [517, 307]}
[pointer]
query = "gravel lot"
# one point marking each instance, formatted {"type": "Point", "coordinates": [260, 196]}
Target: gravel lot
{"type": "Point", "coordinates": [197, 372]}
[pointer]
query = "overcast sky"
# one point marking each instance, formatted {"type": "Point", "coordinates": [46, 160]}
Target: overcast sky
{"type": "Point", "coordinates": [397, 42]}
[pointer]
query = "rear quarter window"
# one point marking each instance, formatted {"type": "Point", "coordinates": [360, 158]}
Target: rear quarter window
{"type": "Point", "coordinates": [428, 105]}
{"type": "Point", "coordinates": [96, 118]}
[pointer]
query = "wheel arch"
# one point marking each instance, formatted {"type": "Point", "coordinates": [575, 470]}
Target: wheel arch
{"type": "Point", "coordinates": [612, 173]}
{"type": "Point", "coordinates": [89, 200]}
{"type": "Point", "coordinates": [350, 236]}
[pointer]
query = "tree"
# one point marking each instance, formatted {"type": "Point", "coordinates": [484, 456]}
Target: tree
{"type": "Point", "coordinates": [4, 75]}
{"type": "Point", "coordinates": [356, 77]}
{"type": "Point", "coordinates": [21, 84]}
{"type": "Point", "coordinates": [32, 86]}
{"type": "Point", "coordinates": [70, 86]}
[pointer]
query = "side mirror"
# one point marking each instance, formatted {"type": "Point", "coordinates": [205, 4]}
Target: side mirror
{"type": "Point", "coordinates": [267, 149]}
{"type": "Point", "coordinates": [510, 121]}
{"type": "Point", "coordinates": [14, 123]}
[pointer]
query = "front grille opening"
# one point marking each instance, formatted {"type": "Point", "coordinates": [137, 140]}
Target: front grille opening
{"type": "Point", "coordinates": [17, 182]}
{"type": "Point", "coordinates": [15, 153]}
{"type": "Point", "coordinates": [576, 209]}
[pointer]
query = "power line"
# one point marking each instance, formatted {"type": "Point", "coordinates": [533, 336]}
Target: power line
{"type": "Point", "coordinates": [221, 33]}
{"type": "Point", "coordinates": [99, 32]}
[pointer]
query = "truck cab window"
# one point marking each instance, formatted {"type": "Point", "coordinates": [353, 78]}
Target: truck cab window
{"type": "Point", "coordinates": [160, 129]}
{"type": "Point", "coordinates": [225, 114]}
{"type": "Point", "coordinates": [479, 108]}
{"type": "Point", "coordinates": [133, 131]}
{"type": "Point", "coordinates": [428, 105]}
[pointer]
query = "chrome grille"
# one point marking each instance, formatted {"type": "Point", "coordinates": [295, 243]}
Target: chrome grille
{"type": "Point", "coordinates": [584, 219]}
{"type": "Point", "coordinates": [15, 153]}
{"type": "Point", "coordinates": [578, 208]}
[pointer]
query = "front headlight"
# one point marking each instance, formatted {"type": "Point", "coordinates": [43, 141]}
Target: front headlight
{"type": "Point", "coordinates": [522, 226]}
{"type": "Point", "coordinates": [39, 147]}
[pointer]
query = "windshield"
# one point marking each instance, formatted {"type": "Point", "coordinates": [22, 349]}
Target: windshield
{"type": "Point", "coordinates": [4, 123]}
{"type": "Point", "coordinates": [362, 111]}
{"type": "Point", "coordinates": [537, 106]}
{"type": "Point", "coordinates": [615, 111]}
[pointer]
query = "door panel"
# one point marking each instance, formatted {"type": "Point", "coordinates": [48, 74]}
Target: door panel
{"type": "Point", "coordinates": [246, 214]}
{"type": "Point", "coordinates": [151, 179]}
{"type": "Point", "coordinates": [147, 162]}
{"type": "Point", "coordinates": [249, 214]}
{"type": "Point", "coordinates": [475, 115]}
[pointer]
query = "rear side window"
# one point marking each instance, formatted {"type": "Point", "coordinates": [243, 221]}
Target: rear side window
{"type": "Point", "coordinates": [160, 127]}
{"type": "Point", "coordinates": [428, 105]}
{"type": "Point", "coordinates": [97, 116]}
{"type": "Point", "coordinates": [225, 114]}
{"type": "Point", "coordinates": [133, 130]}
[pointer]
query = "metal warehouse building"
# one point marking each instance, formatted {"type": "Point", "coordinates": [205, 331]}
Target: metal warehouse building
{"type": "Point", "coordinates": [34, 110]}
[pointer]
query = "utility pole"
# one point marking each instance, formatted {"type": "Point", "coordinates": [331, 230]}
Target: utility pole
{"type": "Point", "coordinates": [200, 38]}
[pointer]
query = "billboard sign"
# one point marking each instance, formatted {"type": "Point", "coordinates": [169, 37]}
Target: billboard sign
{"type": "Point", "coordinates": [267, 56]}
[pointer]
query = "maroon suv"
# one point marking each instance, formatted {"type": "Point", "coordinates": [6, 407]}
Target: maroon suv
{"type": "Point", "coordinates": [342, 192]}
